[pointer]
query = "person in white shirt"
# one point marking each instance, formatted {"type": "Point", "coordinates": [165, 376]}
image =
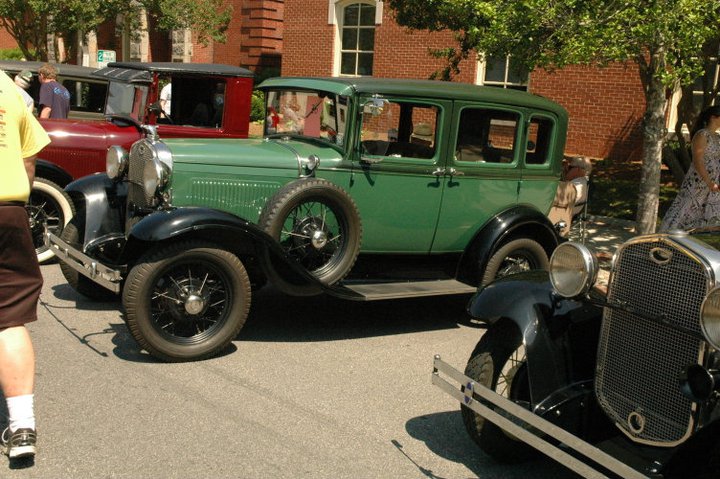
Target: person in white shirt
{"type": "Point", "coordinates": [22, 80]}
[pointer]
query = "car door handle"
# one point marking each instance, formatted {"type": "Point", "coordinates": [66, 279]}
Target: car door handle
{"type": "Point", "coordinates": [439, 172]}
{"type": "Point", "coordinates": [454, 172]}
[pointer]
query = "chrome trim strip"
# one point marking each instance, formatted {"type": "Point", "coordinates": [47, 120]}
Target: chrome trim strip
{"type": "Point", "coordinates": [510, 409]}
{"type": "Point", "coordinates": [99, 273]}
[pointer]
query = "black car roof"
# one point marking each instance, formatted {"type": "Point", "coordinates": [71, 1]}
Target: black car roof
{"type": "Point", "coordinates": [64, 69]}
{"type": "Point", "coordinates": [142, 71]}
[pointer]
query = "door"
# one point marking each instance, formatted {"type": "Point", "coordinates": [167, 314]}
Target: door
{"type": "Point", "coordinates": [482, 176]}
{"type": "Point", "coordinates": [396, 181]}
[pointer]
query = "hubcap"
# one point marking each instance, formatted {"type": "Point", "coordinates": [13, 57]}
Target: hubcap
{"type": "Point", "coordinates": [319, 239]}
{"type": "Point", "coordinates": [194, 304]}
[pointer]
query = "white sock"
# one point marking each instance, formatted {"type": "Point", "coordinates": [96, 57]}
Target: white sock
{"type": "Point", "coordinates": [20, 412]}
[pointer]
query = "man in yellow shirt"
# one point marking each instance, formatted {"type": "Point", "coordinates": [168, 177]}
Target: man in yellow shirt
{"type": "Point", "coordinates": [21, 138]}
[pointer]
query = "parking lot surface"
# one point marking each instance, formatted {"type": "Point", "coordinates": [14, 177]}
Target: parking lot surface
{"type": "Point", "coordinates": [313, 387]}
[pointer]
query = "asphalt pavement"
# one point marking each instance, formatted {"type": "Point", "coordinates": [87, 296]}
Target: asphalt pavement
{"type": "Point", "coordinates": [312, 387]}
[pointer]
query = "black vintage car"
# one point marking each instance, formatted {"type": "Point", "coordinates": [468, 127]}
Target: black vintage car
{"type": "Point", "coordinates": [621, 382]}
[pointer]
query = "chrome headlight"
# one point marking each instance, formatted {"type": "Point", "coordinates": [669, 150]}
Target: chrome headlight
{"type": "Point", "coordinates": [116, 162]}
{"type": "Point", "coordinates": [710, 318]}
{"type": "Point", "coordinates": [573, 269]}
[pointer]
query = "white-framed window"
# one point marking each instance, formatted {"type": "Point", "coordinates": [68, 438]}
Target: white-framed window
{"type": "Point", "coordinates": [503, 73]}
{"type": "Point", "coordinates": [355, 22]}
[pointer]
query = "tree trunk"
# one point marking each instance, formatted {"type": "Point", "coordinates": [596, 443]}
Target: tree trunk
{"type": "Point", "coordinates": [653, 139]}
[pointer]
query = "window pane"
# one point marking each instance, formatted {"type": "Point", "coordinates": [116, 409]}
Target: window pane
{"type": "Point", "coordinates": [347, 64]}
{"type": "Point", "coordinates": [365, 64]}
{"type": "Point", "coordinates": [539, 136]}
{"type": "Point", "coordinates": [352, 15]}
{"type": "Point", "coordinates": [367, 15]}
{"type": "Point", "coordinates": [350, 39]}
{"type": "Point", "coordinates": [367, 39]}
{"type": "Point", "coordinates": [495, 70]}
{"type": "Point", "coordinates": [516, 73]}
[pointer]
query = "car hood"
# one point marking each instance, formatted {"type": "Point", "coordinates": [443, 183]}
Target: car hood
{"type": "Point", "coordinates": [262, 153]}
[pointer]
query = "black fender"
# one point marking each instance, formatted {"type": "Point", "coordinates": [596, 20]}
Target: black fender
{"type": "Point", "coordinates": [688, 459]}
{"type": "Point", "coordinates": [559, 334]}
{"type": "Point", "coordinates": [99, 206]}
{"type": "Point", "coordinates": [237, 235]}
{"type": "Point", "coordinates": [51, 171]}
{"type": "Point", "coordinates": [515, 222]}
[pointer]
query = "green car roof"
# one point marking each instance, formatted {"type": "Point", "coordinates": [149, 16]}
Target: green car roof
{"type": "Point", "coordinates": [416, 88]}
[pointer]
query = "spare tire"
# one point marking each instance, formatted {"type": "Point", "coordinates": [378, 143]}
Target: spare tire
{"type": "Point", "coordinates": [317, 224]}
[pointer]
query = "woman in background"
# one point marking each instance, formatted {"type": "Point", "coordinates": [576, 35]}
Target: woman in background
{"type": "Point", "coordinates": [698, 201]}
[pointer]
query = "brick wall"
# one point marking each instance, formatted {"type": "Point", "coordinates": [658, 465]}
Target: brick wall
{"type": "Point", "coordinates": [606, 106]}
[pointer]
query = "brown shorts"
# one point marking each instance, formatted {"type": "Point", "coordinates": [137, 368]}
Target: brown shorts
{"type": "Point", "coordinates": [20, 277]}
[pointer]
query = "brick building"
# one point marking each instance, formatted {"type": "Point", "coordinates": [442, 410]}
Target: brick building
{"type": "Point", "coordinates": [254, 40]}
{"type": "Point", "coordinates": [605, 105]}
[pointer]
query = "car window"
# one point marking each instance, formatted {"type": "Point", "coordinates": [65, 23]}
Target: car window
{"type": "Point", "coordinates": [401, 130]}
{"type": "Point", "coordinates": [540, 134]}
{"type": "Point", "coordinates": [126, 99]}
{"type": "Point", "coordinates": [86, 96]}
{"type": "Point", "coordinates": [310, 114]}
{"type": "Point", "coordinates": [486, 135]}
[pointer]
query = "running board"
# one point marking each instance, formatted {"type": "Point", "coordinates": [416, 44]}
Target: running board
{"type": "Point", "coordinates": [405, 289]}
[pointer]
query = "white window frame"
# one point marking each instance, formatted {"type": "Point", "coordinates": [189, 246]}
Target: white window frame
{"type": "Point", "coordinates": [480, 78]}
{"type": "Point", "coordinates": [336, 9]}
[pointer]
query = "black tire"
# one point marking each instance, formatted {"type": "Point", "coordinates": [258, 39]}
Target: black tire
{"type": "Point", "coordinates": [48, 207]}
{"type": "Point", "coordinates": [83, 285]}
{"type": "Point", "coordinates": [318, 224]}
{"type": "Point", "coordinates": [522, 254]}
{"type": "Point", "coordinates": [186, 301]}
{"type": "Point", "coordinates": [498, 362]}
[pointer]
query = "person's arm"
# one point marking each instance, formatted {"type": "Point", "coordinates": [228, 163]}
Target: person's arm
{"type": "Point", "coordinates": [45, 112]}
{"type": "Point", "coordinates": [699, 143]}
{"type": "Point", "coordinates": [30, 168]}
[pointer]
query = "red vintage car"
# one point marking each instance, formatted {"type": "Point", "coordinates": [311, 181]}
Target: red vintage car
{"type": "Point", "coordinates": [207, 100]}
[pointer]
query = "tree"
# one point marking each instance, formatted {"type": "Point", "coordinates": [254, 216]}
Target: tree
{"type": "Point", "coordinates": [30, 22]}
{"type": "Point", "coordinates": [663, 37]}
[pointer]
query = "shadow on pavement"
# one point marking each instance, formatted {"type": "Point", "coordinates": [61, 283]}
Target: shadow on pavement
{"type": "Point", "coordinates": [444, 434]}
{"type": "Point", "coordinates": [275, 316]}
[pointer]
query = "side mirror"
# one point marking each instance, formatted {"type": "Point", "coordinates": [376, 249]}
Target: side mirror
{"type": "Point", "coordinates": [374, 106]}
{"type": "Point", "coordinates": [154, 108]}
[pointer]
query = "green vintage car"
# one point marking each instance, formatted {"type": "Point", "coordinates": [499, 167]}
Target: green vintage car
{"type": "Point", "coordinates": [362, 188]}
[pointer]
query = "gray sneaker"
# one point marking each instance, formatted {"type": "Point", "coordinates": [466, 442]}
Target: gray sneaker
{"type": "Point", "coordinates": [20, 443]}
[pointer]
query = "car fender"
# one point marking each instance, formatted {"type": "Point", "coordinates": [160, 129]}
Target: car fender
{"type": "Point", "coordinates": [99, 205]}
{"type": "Point", "coordinates": [52, 172]}
{"type": "Point", "coordinates": [556, 331]}
{"type": "Point", "coordinates": [243, 238]}
{"type": "Point", "coordinates": [515, 222]}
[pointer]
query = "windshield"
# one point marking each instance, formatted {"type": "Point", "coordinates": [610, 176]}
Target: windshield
{"type": "Point", "coordinates": [126, 99]}
{"type": "Point", "coordinates": [313, 114]}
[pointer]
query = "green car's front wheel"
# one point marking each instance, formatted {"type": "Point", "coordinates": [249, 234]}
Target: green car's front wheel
{"type": "Point", "coordinates": [186, 301]}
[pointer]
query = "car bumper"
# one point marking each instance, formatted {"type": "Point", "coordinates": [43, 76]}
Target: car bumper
{"type": "Point", "coordinates": [529, 427]}
{"type": "Point", "coordinates": [105, 276]}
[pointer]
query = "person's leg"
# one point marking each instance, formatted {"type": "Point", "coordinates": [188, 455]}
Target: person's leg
{"type": "Point", "coordinates": [17, 380]}
{"type": "Point", "coordinates": [17, 362]}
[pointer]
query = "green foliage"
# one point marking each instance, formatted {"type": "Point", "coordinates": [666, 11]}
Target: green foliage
{"type": "Point", "coordinates": [257, 106]}
{"type": "Point", "coordinates": [31, 21]}
{"type": "Point", "coordinates": [11, 54]}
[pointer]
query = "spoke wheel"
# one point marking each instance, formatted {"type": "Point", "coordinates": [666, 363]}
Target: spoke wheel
{"type": "Point", "coordinates": [318, 225]}
{"type": "Point", "coordinates": [516, 256]}
{"type": "Point", "coordinates": [499, 363]}
{"type": "Point", "coordinates": [48, 207]}
{"type": "Point", "coordinates": [187, 301]}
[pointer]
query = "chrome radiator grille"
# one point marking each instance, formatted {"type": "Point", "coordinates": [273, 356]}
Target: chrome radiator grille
{"type": "Point", "coordinates": [140, 153]}
{"type": "Point", "coordinates": [639, 359]}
